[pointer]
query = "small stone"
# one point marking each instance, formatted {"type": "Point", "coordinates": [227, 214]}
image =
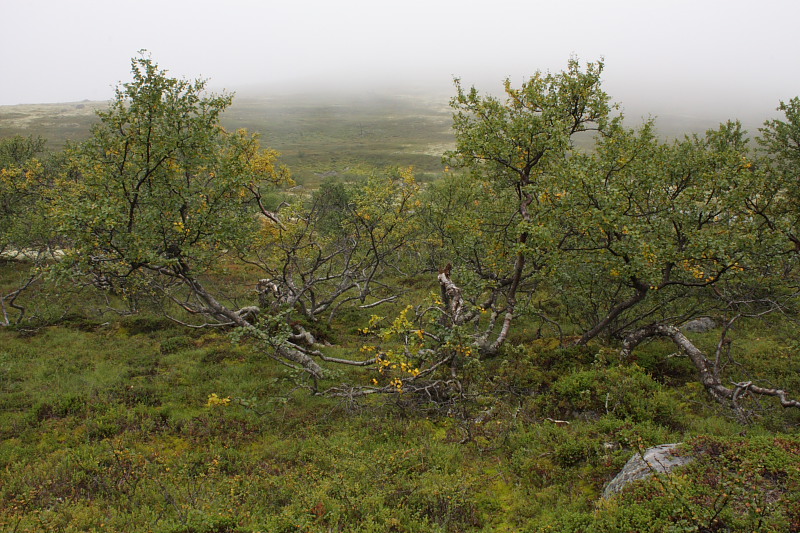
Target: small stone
{"type": "Point", "coordinates": [658, 459]}
{"type": "Point", "coordinates": [699, 325]}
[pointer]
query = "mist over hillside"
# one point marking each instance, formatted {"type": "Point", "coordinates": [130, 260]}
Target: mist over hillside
{"type": "Point", "coordinates": [405, 124]}
{"type": "Point", "coordinates": [192, 340]}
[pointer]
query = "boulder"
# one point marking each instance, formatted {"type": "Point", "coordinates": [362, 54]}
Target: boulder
{"type": "Point", "coordinates": [699, 325]}
{"type": "Point", "coordinates": [658, 459]}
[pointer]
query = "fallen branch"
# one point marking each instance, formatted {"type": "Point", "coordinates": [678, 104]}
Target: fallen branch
{"type": "Point", "coordinates": [709, 375]}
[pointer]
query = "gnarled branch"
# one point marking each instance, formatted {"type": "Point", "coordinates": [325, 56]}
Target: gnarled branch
{"type": "Point", "coordinates": [709, 375]}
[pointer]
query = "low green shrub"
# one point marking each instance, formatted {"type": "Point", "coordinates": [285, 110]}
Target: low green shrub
{"type": "Point", "coordinates": [146, 323]}
{"type": "Point", "coordinates": [621, 391]}
{"type": "Point", "coordinates": [59, 407]}
{"type": "Point", "coordinates": [175, 344]}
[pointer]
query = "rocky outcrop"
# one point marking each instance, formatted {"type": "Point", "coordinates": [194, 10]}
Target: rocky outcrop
{"type": "Point", "coordinates": [658, 459]}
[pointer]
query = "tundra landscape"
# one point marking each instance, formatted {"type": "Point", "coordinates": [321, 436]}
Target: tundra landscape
{"type": "Point", "coordinates": [375, 312]}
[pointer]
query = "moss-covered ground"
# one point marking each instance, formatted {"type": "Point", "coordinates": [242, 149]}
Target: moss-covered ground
{"type": "Point", "coordinates": [135, 424]}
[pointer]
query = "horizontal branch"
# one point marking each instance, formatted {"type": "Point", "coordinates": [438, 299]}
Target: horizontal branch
{"type": "Point", "coordinates": [379, 302]}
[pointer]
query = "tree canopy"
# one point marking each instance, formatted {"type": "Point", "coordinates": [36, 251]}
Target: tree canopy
{"type": "Point", "coordinates": [161, 188]}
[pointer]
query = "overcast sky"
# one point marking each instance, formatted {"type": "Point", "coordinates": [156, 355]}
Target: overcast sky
{"type": "Point", "coordinates": [660, 55]}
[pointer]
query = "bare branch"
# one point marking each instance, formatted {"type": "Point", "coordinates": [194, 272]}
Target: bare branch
{"type": "Point", "coordinates": [379, 302]}
{"type": "Point", "coordinates": [337, 360]}
{"type": "Point", "coordinates": [11, 298]}
{"type": "Point", "coordinates": [708, 374]}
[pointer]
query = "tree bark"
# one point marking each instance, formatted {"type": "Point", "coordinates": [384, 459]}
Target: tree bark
{"type": "Point", "coordinates": [451, 295]}
{"type": "Point", "coordinates": [511, 300]}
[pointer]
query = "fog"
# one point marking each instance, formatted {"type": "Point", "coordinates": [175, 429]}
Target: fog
{"type": "Point", "coordinates": [678, 57]}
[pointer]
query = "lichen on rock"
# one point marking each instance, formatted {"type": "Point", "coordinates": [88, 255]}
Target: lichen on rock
{"type": "Point", "coordinates": [660, 459]}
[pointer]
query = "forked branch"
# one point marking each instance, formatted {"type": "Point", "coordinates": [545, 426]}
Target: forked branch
{"type": "Point", "coordinates": [709, 375]}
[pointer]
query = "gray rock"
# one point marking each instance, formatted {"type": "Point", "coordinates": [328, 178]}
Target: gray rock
{"type": "Point", "coordinates": [699, 325]}
{"type": "Point", "coordinates": [658, 459]}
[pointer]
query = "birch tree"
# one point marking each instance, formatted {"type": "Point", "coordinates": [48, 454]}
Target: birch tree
{"type": "Point", "coordinates": [161, 194]}
{"type": "Point", "coordinates": [509, 146]}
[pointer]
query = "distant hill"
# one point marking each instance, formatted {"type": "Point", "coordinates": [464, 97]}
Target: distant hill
{"type": "Point", "coordinates": [318, 135]}
{"type": "Point", "coordinates": [325, 134]}
{"type": "Point", "coordinates": [57, 123]}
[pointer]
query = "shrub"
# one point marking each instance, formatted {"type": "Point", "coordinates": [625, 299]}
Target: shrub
{"type": "Point", "coordinates": [60, 407]}
{"type": "Point", "coordinates": [622, 391]}
{"type": "Point", "coordinates": [175, 344]}
{"type": "Point", "coordinates": [146, 323]}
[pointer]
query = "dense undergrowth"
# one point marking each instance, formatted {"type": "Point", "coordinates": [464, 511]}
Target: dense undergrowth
{"type": "Point", "coordinates": [135, 424]}
{"type": "Point", "coordinates": [503, 398]}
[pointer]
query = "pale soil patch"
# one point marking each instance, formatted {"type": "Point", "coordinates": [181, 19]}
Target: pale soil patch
{"type": "Point", "coordinates": [25, 115]}
{"type": "Point", "coordinates": [29, 254]}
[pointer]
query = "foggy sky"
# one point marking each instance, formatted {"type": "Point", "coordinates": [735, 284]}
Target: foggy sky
{"type": "Point", "coordinates": [677, 56]}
